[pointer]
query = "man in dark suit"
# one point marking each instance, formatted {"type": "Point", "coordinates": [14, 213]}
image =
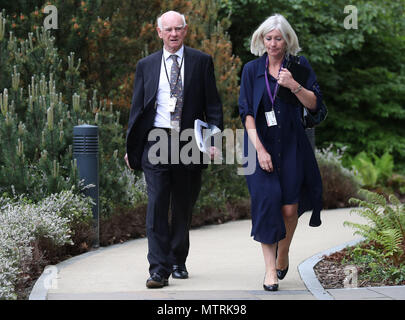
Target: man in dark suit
{"type": "Point", "coordinates": [173, 87]}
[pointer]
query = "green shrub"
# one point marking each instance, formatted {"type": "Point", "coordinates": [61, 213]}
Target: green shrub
{"type": "Point", "coordinates": [221, 185]}
{"type": "Point", "coordinates": [370, 270]}
{"type": "Point", "coordinates": [339, 183]}
{"type": "Point", "coordinates": [397, 183]}
{"type": "Point", "coordinates": [373, 171]}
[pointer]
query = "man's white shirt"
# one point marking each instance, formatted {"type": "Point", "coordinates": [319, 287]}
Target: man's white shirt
{"type": "Point", "coordinates": [162, 118]}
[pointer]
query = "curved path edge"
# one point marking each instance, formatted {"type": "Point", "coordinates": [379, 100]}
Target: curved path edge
{"type": "Point", "coordinates": [307, 273]}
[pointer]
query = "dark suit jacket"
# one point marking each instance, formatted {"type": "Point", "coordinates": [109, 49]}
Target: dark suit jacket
{"type": "Point", "coordinates": [200, 100]}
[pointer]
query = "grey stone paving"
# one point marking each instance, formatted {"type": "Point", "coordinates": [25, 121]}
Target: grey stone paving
{"type": "Point", "coordinates": [224, 264]}
{"type": "Point", "coordinates": [369, 293]}
{"type": "Point", "coordinates": [188, 295]}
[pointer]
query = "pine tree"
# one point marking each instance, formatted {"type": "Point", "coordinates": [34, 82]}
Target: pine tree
{"type": "Point", "coordinates": [38, 112]}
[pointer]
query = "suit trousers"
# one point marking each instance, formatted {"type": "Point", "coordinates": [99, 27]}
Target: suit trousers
{"type": "Point", "coordinates": [171, 186]}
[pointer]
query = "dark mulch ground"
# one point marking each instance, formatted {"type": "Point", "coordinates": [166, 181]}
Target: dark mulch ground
{"type": "Point", "coordinates": [330, 272]}
{"type": "Point", "coordinates": [130, 223]}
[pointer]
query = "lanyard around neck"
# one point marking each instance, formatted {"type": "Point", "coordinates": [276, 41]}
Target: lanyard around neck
{"type": "Point", "coordinates": [178, 76]}
{"type": "Point", "coordinates": [272, 98]}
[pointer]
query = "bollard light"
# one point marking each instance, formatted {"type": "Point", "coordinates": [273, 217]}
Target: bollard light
{"type": "Point", "coordinates": [85, 151]}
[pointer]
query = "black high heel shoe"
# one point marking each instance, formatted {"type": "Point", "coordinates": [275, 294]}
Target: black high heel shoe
{"type": "Point", "coordinates": [270, 287]}
{"type": "Point", "coordinates": [282, 273]}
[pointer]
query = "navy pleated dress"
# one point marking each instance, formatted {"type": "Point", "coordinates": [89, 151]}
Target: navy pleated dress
{"type": "Point", "coordinates": [296, 177]}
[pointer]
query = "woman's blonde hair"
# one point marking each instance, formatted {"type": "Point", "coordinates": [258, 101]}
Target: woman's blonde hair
{"type": "Point", "coordinates": [276, 21]}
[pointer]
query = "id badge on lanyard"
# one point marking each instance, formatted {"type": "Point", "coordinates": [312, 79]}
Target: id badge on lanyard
{"type": "Point", "coordinates": [270, 115]}
{"type": "Point", "coordinates": [172, 103]}
{"type": "Point", "coordinates": [271, 118]}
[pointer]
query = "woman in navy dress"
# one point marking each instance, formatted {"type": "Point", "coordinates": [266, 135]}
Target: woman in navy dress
{"type": "Point", "coordinates": [286, 180]}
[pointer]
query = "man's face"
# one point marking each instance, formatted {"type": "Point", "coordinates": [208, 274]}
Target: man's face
{"type": "Point", "coordinates": [173, 32]}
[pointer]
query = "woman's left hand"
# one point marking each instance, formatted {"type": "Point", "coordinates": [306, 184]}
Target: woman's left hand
{"type": "Point", "coordinates": [286, 79]}
{"type": "Point", "coordinates": [306, 97]}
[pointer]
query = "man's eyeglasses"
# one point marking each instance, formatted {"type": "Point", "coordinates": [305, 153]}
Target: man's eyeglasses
{"type": "Point", "coordinates": [176, 29]}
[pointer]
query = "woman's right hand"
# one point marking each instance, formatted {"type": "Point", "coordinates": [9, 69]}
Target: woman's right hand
{"type": "Point", "coordinates": [262, 155]}
{"type": "Point", "coordinates": [265, 160]}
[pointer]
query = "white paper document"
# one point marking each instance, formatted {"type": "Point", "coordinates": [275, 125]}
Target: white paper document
{"type": "Point", "coordinates": [203, 132]}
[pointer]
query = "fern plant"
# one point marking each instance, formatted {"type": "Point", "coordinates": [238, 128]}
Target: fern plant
{"type": "Point", "coordinates": [385, 228]}
{"type": "Point", "coordinates": [366, 172]}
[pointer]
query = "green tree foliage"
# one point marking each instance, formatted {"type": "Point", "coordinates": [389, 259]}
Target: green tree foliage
{"type": "Point", "coordinates": [109, 39]}
{"type": "Point", "coordinates": [103, 35]}
{"type": "Point", "coordinates": [206, 32]}
{"type": "Point", "coordinates": [361, 71]}
{"type": "Point", "coordinates": [41, 100]}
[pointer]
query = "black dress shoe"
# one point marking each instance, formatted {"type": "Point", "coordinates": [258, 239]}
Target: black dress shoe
{"type": "Point", "coordinates": [156, 281]}
{"type": "Point", "coordinates": [179, 272]}
{"type": "Point", "coordinates": [282, 273]}
{"type": "Point", "coordinates": [270, 287]}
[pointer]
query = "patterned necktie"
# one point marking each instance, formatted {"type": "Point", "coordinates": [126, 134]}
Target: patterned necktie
{"type": "Point", "coordinates": [176, 89]}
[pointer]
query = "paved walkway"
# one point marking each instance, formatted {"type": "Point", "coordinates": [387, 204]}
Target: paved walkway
{"type": "Point", "coordinates": [224, 263]}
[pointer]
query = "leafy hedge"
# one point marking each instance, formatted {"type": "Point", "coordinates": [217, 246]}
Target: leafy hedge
{"type": "Point", "coordinates": [23, 224]}
{"type": "Point", "coordinates": [339, 183]}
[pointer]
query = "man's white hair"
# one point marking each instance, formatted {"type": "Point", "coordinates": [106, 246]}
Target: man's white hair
{"type": "Point", "coordinates": [159, 19]}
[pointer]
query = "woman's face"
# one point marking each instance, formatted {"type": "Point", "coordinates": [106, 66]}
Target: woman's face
{"type": "Point", "coordinates": [275, 44]}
